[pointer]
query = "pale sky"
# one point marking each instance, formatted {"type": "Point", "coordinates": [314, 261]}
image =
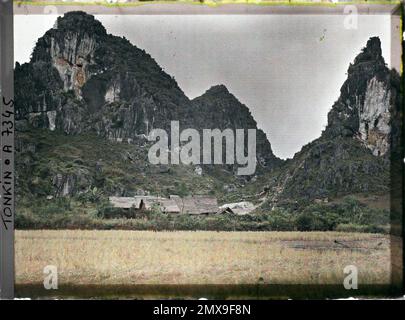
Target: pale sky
{"type": "Point", "coordinates": [288, 69]}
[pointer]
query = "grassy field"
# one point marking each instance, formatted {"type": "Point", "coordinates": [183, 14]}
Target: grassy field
{"type": "Point", "coordinates": [144, 257]}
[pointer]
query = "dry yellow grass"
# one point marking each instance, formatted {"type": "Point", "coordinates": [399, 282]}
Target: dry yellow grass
{"type": "Point", "coordinates": [144, 257]}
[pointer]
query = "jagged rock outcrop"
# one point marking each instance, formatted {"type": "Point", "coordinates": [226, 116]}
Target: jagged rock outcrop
{"type": "Point", "coordinates": [94, 81]}
{"type": "Point", "coordinates": [218, 108]}
{"type": "Point", "coordinates": [81, 80]}
{"type": "Point", "coordinates": [353, 153]}
{"type": "Point", "coordinates": [87, 80]}
{"type": "Point", "coordinates": [369, 97]}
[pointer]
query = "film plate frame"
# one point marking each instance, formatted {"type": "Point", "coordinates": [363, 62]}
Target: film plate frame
{"type": "Point", "coordinates": [6, 82]}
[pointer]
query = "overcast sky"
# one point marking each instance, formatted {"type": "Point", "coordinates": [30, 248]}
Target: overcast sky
{"type": "Point", "coordinates": [288, 69]}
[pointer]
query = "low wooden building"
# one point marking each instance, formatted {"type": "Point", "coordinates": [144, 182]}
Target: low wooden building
{"type": "Point", "coordinates": [195, 205]}
{"type": "Point", "coordinates": [164, 204]}
{"type": "Point", "coordinates": [124, 202]}
{"type": "Point", "coordinates": [145, 203]}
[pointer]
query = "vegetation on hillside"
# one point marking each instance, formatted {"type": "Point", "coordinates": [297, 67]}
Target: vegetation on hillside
{"type": "Point", "coordinates": [110, 90]}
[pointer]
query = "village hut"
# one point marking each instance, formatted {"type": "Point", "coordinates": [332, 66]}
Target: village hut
{"type": "Point", "coordinates": [164, 204]}
{"type": "Point", "coordinates": [197, 205]}
{"type": "Point", "coordinates": [123, 202]}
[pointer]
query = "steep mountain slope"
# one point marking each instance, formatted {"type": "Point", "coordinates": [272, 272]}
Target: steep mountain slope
{"type": "Point", "coordinates": [353, 153]}
{"type": "Point", "coordinates": [86, 93]}
{"type": "Point", "coordinates": [89, 80]}
{"type": "Point", "coordinates": [218, 108]}
{"type": "Point", "coordinates": [87, 101]}
{"type": "Point", "coordinates": [84, 82]}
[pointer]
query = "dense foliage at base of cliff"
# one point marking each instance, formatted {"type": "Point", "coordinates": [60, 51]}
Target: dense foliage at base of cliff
{"type": "Point", "coordinates": [87, 100]}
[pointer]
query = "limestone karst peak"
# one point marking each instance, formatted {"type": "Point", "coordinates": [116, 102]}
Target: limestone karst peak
{"type": "Point", "coordinates": [371, 53]}
{"type": "Point", "coordinates": [218, 89]}
{"type": "Point", "coordinates": [80, 21]}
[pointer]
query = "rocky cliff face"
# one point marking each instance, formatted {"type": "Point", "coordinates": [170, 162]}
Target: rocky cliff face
{"type": "Point", "coordinates": [218, 108]}
{"type": "Point", "coordinates": [369, 97]}
{"type": "Point", "coordinates": [353, 153]}
{"type": "Point", "coordinates": [374, 119]}
{"type": "Point", "coordinates": [101, 83]}
{"type": "Point", "coordinates": [81, 80]}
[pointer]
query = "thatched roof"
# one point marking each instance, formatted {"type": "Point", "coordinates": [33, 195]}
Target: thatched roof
{"type": "Point", "coordinates": [189, 205]}
{"type": "Point", "coordinates": [197, 204]}
{"type": "Point", "coordinates": [169, 206]}
{"type": "Point", "coordinates": [166, 205]}
{"type": "Point", "coordinates": [145, 202]}
{"type": "Point", "coordinates": [131, 202]}
{"type": "Point", "coordinates": [124, 202]}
